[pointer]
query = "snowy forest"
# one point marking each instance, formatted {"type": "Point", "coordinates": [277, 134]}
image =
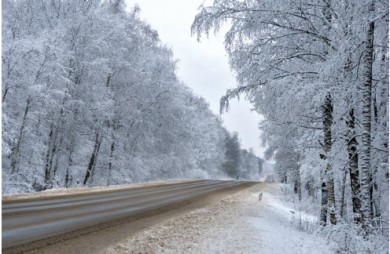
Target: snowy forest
{"type": "Point", "coordinates": [317, 70]}
{"type": "Point", "coordinates": [90, 97]}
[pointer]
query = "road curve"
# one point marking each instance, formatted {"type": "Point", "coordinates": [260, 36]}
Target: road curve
{"type": "Point", "coordinates": [27, 220]}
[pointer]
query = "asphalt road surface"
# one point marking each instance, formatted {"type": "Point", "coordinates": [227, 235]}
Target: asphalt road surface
{"type": "Point", "coordinates": [29, 220]}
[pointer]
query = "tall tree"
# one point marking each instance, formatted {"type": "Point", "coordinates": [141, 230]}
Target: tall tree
{"type": "Point", "coordinates": [293, 59]}
{"type": "Point", "coordinates": [366, 177]}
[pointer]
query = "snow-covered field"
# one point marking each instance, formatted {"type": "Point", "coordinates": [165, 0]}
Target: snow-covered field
{"type": "Point", "coordinates": [238, 223]}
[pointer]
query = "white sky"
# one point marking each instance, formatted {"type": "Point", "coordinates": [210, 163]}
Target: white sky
{"type": "Point", "coordinates": [202, 66]}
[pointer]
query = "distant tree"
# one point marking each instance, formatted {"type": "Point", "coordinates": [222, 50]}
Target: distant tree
{"type": "Point", "coordinates": [231, 166]}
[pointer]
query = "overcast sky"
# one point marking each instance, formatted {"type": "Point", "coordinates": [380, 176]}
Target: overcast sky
{"type": "Point", "coordinates": [202, 66]}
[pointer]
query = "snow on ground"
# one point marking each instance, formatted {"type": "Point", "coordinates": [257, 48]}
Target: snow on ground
{"type": "Point", "coordinates": [238, 223]}
{"type": "Point", "coordinates": [74, 191]}
{"type": "Point", "coordinates": [275, 224]}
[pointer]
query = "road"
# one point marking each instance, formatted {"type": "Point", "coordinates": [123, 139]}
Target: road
{"type": "Point", "coordinates": [29, 220]}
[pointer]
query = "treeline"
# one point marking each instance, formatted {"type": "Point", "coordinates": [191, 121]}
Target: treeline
{"type": "Point", "coordinates": [240, 163]}
{"type": "Point", "coordinates": [318, 73]}
{"type": "Point", "coordinates": [91, 97]}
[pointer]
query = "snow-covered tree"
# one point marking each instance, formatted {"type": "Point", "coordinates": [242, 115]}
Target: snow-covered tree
{"type": "Point", "coordinates": [91, 97]}
{"type": "Point", "coordinates": [313, 70]}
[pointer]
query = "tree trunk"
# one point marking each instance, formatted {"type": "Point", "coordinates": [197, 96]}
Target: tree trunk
{"type": "Point", "coordinates": [92, 161]}
{"type": "Point", "coordinates": [68, 174]}
{"type": "Point", "coordinates": [68, 178]}
{"type": "Point", "coordinates": [297, 184]}
{"type": "Point", "coordinates": [16, 149]}
{"type": "Point", "coordinates": [47, 163]}
{"type": "Point", "coordinates": [328, 205]}
{"type": "Point", "coordinates": [331, 196]}
{"type": "Point", "coordinates": [374, 190]}
{"type": "Point", "coordinates": [353, 169]}
{"type": "Point", "coordinates": [57, 155]}
{"type": "Point", "coordinates": [5, 93]}
{"type": "Point", "coordinates": [57, 148]}
{"type": "Point", "coordinates": [50, 166]}
{"type": "Point", "coordinates": [110, 162]}
{"type": "Point", "coordinates": [327, 127]}
{"type": "Point", "coordinates": [342, 199]}
{"type": "Point", "coordinates": [366, 176]}
{"type": "Point", "coordinates": [324, 200]}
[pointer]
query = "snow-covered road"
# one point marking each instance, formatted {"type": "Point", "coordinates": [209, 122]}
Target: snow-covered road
{"type": "Point", "coordinates": [238, 223]}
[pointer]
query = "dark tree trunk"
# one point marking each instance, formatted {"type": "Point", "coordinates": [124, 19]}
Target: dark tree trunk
{"type": "Point", "coordinates": [353, 169]}
{"type": "Point", "coordinates": [110, 162]}
{"type": "Point", "coordinates": [50, 156]}
{"type": "Point", "coordinates": [297, 184]}
{"type": "Point", "coordinates": [342, 201]}
{"type": "Point", "coordinates": [327, 127]}
{"type": "Point", "coordinates": [5, 93]}
{"type": "Point", "coordinates": [324, 202]}
{"type": "Point", "coordinates": [92, 161]}
{"type": "Point", "coordinates": [68, 177]}
{"type": "Point", "coordinates": [16, 149]}
{"type": "Point", "coordinates": [57, 156]}
{"type": "Point", "coordinates": [58, 142]}
{"type": "Point", "coordinates": [47, 163]}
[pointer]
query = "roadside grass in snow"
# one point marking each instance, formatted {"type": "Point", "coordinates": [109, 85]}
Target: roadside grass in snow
{"type": "Point", "coordinates": [350, 239]}
{"type": "Point", "coordinates": [346, 238]}
{"type": "Point", "coordinates": [285, 227]}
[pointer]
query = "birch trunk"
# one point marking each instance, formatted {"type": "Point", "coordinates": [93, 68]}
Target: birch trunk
{"type": "Point", "coordinates": [327, 128]}
{"type": "Point", "coordinates": [353, 164]}
{"type": "Point", "coordinates": [342, 199]}
{"type": "Point", "coordinates": [366, 176]}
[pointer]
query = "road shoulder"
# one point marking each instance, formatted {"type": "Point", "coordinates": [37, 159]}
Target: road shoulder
{"type": "Point", "coordinates": [236, 223]}
{"type": "Point", "coordinates": [99, 238]}
{"type": "Point", "coordinates": [220, 227]}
